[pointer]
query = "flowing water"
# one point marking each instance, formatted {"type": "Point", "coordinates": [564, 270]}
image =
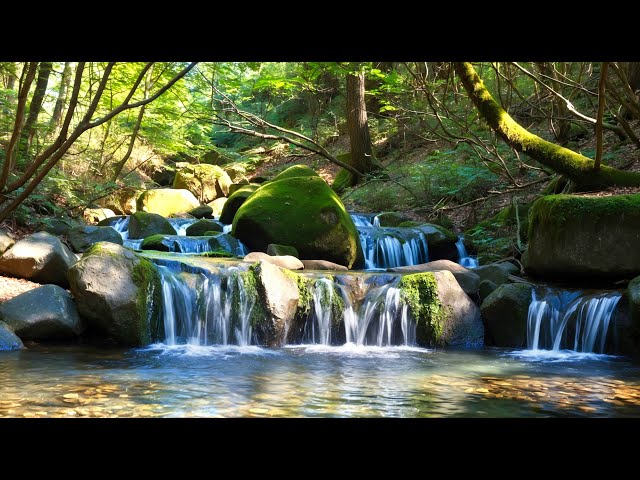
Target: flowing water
{"type": "Point", "coordinates": [463, 257]}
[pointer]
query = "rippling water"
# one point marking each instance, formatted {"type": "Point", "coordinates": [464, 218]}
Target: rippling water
{"type": "Point", "coordinates": [313, 381]}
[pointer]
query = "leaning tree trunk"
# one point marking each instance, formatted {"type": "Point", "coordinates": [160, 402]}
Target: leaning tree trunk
{"type": "Point", "coordinates": [576, 167]}
{"type": "Point", "coordinates": [29, 130]}
{"type": "Point", "coordinates": [56, 118]}
{"type": "Point", "coordinates": [357, 126]}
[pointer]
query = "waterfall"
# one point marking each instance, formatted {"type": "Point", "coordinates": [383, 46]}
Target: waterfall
{"type": "Point", "coordinates": [388, 247]}
{"type": "Point", "coordinates": [563, 319]}
{"type": "Point", "coordinates": [318, 326]}
{"type": "Point", "coordinates": [463, 257]}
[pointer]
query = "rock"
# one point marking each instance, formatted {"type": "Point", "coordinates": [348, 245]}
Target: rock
{"type": "Point", "coordinates": [202, 226]}
{"type": "Point", "coordinates": [123, 201]}
{"type": "Point", "coordinates": [164, 176]}
{"type": "Point", "coordinates": [81, 238]}
{"type": "Point", "coordinates": [182, 215]}
{"type": "Point", "coordinates": [576, 237]}
{"type": "Point", "coordinates": [44, 313]}
{"type": "Point", "coordinates": [302, 212]}
{"type": "Point", "coordinates": [633, 339]}
{"type": "Point", "coordinates": [343, 180]}
{"type": "Point", "coordinates": [235, 201]}
{"type": "Point", "coordinates": [220, 242]}
{"type": "Point", "coordinates": [94, 215]}
{"type": "Point", "coordinates": [391, 219]}
{"type": "Point", "coordinates": [111, 221]}
{"type": "Point", "coordinates": [234, 187]}
{"type": "Point", "coordinates": [40, 257]}
{"type": "Point", "coordinates": [6, 241]}
{"type": "Point", "coordinates": [60, 226]}
{"type": "Point", "coordinates": [217, 205]}
{"type": "Point", "coordinates": [143, 225]}
{"type": "Point", "coordinates": [509, 267]}
{"type": "Point", "coordinates": [8, 339]}
{"type": "Point", "coordinates": [206, 182]}
{"type": "Point", "coordinates": [486, 288]}
{"type": "Point", "coordinates": [283, 261]}
{"type": "Point", "coordinates": [442, 242]}
{"type": "Point", "coordinates": [494, 272]}
{"type": "Point", "coordinates": [118, 293]}
{"type": "Point", "coordinates": [216, 157]}
{"type": "Point", "coordinates": [236, 172]}
{"type": "Point", "coordinates": [444, 314]}
{"type": "Point", "coordinates": [295, 171]}
{"type": "Point", "coordinates": [322, 265]}
{"type": "Point", "coordinates": [167, 201]}
{"type": "Point", "coordinates": [275, 249]}
{"type": "Point", "coordinates": [505, 313]}
{"type": "Point", "coordinates": [467, 279]}
{"type": "Point", "coordinates": [203, 211]}
{"type": "Point", "coordinates": [277, 302]}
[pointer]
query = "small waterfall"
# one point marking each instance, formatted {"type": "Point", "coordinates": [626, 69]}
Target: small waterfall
{"type": "Point", "coordinates": [180, 244]}
{"type": "Point", "coordinates": [318, 326]}
{"type": "Point", "coordinates": [363, 219]}
{"type": "Point", "coordinates": [180, 225]}
{"type": "Point", "coordinates": [388, 247]}
{"type": "Point", "coordinates": [562, 319]}
{"type": "Point", "coordinates": [463, 257]}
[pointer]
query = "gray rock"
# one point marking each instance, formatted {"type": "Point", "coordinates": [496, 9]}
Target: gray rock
{"type": "Point", "coordinates": [486, 288]}
{"type": "Point", "coordinates": [40, 257]}
{"type": "Point", "coordinates": [143, 225]}
{"type": "Point", "coordinates": [494, 272]}
{"type": "Point", "coordinates": [505, 314]}
{"type": "Point", "coordinates": [44, 313]}
{"type": "Point", "coordinates": [8, 339]}
{"type": "Point", "coordinates": [81, 238]}
{"type": "Point", "coordinates": [283, 261]}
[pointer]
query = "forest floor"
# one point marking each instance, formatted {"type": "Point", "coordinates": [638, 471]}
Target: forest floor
{"type": "Point", "coordinates": [11, 287]}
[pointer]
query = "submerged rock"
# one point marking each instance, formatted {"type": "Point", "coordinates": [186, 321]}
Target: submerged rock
{"type": "Point", "coordinates": [219, 242]}
{"type": "Point", "coordinates": [40, 257]}
{"type": "Point", "coordinates": [142, 225]}
{"type": "Point", "coordinates": [44, 313]}
{"type": "Point", "coordinates": [118, 293]}
{"type": "Point", "coordinates": [468, 280]}
{"type": "Point", "coordinates": [167, 201]}
{"type": "Point", "coordinates": [206, 182]}
{"type": "Point", "coordinates": [284, 261]}
{"type": "Point", "coordinates": [302, 212]}
{"type": "Point", "coordinates": [9, 340]}
{"type": "Point", "coordinates": [574, 237]}
{"type": "Point", "coordinates": [81, 238]}
{"type": "Point", "coordinates": [505, 313]}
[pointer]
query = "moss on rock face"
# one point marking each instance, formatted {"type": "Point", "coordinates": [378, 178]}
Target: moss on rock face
{"type": "Point", "coordinates": [343, 180]}
{"type": "Point", "coordinates": [201, 227]}
{"type": "Point", "coordinates": [167, 201]}
{"type": "Point", "coordinates": [155, 242]}
{"type": "Point", "coordinates": [235, 201]}
{"type": "Point", "coordinates": [420, 292]}
{"type": "Point", "coordinates": [296, 171]}
{"type": "Point", "coordinates": [142, 225]}
{"type": "Point", "coordinates": [302, 212]}
{"type": "Point", "coordinates": [206, 182]}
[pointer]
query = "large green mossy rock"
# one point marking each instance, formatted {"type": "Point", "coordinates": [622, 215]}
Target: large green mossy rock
{"type": "Point", "coordinates": [81, 238]}
{"type": "Point", "coordinates": [206, 182]}
{"type": "Point", "coordinates": [302, 212]}
{"type": "Point", "coordinates": [296, 171]}
{"type": "Point", "coordinates": [235, 201]}
{"type": "Point", "coordinates": [577, 237]}
{"type": "Point", "coordinates": [44, 313]}
{"type": "Point", "coordinates": [201, 227]}
{"type": "Point", "coordinates": [40, 257]}
{"type": "Point", "coordinates": [344, 178]}
{"type": "Point", "coordinates": [143, 225]}
{"type": "Point", "coordinates": [118, 293]}
{"type": "Point", "coordinates": [505, 311]}
{"type": "Point", "coordinates": [166, 201]}
{"type": "Point", "coordinates": [444, 313]}
{"type": "Point", "coordinates": [8, 340]}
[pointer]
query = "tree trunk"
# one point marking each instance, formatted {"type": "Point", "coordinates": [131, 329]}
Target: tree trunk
{"type": "Point", "coordinates": [574, 166]}
{"type": "Point", "coordinates": [357, 126]}
{"type": "Point", "coordinates": [564, 125]}
{"type": "Point", "coordinates": [29, 130]}
{"type": "Point", "coordinates": [65, 81]}
{"type": "Point", "coordinates": [601, 102]}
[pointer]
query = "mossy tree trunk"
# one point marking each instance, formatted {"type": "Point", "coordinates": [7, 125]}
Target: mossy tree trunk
{"type": "Point", "coordinates": [576, 167]}
{"type": "Point", "coordinates": [357, 125]}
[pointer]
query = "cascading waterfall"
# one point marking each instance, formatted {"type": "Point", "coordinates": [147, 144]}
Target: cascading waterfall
{"type": "Point", "coordinates": [388, 247]}
{"type": "Point", "coordinates": [463, 257]}
{"type": "Point", "coordinates": [318, 326]}
{"type": "Point", "coordinates": [562, 319]}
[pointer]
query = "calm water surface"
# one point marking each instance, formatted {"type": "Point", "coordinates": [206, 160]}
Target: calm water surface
{"type": "Point", "coordinates": [313, 381]}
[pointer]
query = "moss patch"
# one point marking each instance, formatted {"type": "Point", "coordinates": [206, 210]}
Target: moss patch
{"type": "Point", "coordinates": [154, 242]}
{"type": "Point", "coordinates": [235, 201]}
{"type": "Point", "coordinates": [420, 292]}
{"type": "Point", "coordinates": [296, 171]}
{"type": "Point", "coordinates": [216, 254]}
{"type": "Point", "coordinates": [148, 322]}
{"type": "Point", "coordinates": [343, 180]}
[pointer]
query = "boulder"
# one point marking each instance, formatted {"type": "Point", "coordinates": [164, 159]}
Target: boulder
{"type": "Point", "coordinates": [40, 257]}
{"type": "Point", "coordinates": [81, 238]}
{"type": "Point", "coordinates": [343, 180]}
{"type": "Point", "coordinates": [164, 176]}
{"type": "Point", "coordinates": [235, 201]}
{"type": "Point", "coordinates": [467, 279]}
{"type": "Point", "coordinates": [44, 313]}
{"type": "Point", "coordinates": [60, 226]}
{"type": "Point", "coordinates": [575, 237]}
{"type": "Point", "coordinates": [166, 201]}
{"type": "Point", "coordinates": [202, 226]}
{"type": "Point", "coordinates": [206, 182]}
{"type": "Point", "coordinates": [442, 242]}
{"type": "Point", "coordinates": [236, 172]}
{"type": "Point", "coordinates": [296, 171]}
{"type": "Point", "coordinates": [275, 249]}
{"type": "Point", "coordinates": [220, 242]}
{"type": "Point", "coordinates": [391, 219]}
{"type": "Point", "coordinates": [123, 201]}
{"type": "Point", "coordinates": [216, 156]}
{"type": "Point", "coordinates": [8, 339]}
{"type": "Point", "coordinates": [203, 211]}
{"type": "Point", "coordinates": [322, 265]}
{"type": "Point", "coordinates": [234, 187]}
{"type": "Point", "coordinates": [118, 293]}
{"type": "Point", "coordinates": [94, 215]}
{"type": "Point", "coordinates": [217, 206]}
{"type": "Point", "coordinates": [282, 261]}
{"type": "Point", "coordinates": [6, 241]}
{"type": "Point", "coordinates": [143, 225]}
{"type": "Point", "coordinates": [495, 272]}
{"type": "Point", "coordinates": [505, 313]}
{"type": "Point", "coordinates": [444, 314]}
{"type": "Point", "coordinates": [277, 301]}
{"type": "Point", "coordinates": [486, 288]}
{"type": "Point", "coordinates": [302, 212]}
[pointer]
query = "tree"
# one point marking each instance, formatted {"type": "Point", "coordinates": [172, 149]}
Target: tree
{"type": "Point", "coordinates": [29, 129]}
{"type": "Point", "coordinates": [56, 118]}
{"type": "Point", "coordinates": [357, 125]}
{"type": "Point", "coordinates": [574, 166]}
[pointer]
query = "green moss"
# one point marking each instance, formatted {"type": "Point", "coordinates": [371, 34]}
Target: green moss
{"type": "Point", "coordinates": [215, 254]}
{"type": "Point", "coordinates": [296, 171]}
{"type": "Point", "coordinates": [250, 283]}
{"type": "Point", "coordinates": [146, 277]}
{"type": "Point", "coordinates": [206, 182]}
{"type": "Point", "coordinates": [343, 180]}
{"type": "Point", "coordinates": [154, 242]}
{"type": "Point", "coordinates": [410, 224]}
{"type": "Point", "coordinates": [202, 226]}
{"type": "Point", "coordinates": [391, 219]}
{"type": "Point", "coordinates": [235, 201]}
{"type": "Point", "coordinates": [142, 225]}
{"type": "Point", "coordinates": [420, 292]}
{"type": "Point", "coordinates": [305, 294]}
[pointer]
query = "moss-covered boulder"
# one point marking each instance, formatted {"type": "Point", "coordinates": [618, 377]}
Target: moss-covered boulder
{"type": "Point", "coordinates": [44, 313]}
{"type": "Point", "coordinates": [391, 219]}
{"type": "Point", "coordinates": [142, 225]}
{"type": "Point", "coordinates": [201, 227]}
{"type": "Point", "coordinates": [344, 178]}
{"type": "Point", "coordinates": [220, 242]}
{"type": "Point", "coordinates": [235, 201]}
{"type": "Point", "coordinates": [203, 211]}
{"type": "Point", "coordinates": [234, 187]}
{"type": "Point", "coordinates": [166, 201]}
{"type": "Point", "coordinates": [237, 173]}
{"type": "Point", "coordinates": [275, 249]}
{"type": "Point", "coordinates": [486, 288]}
{"type": "Point", "coordinates": [302, 212]}
{"type": "Point", "coordinates": [505, 313]}
{"type": "Point", "coordinates": [61, 225]}
{"type": "Point", "coordinates": [217, 156]}
{"type": "Point", "coordinates": [6, 241]}
{"type": "Point", "coordinates": [576, 237]}
{"type": "Point", "coordinates": [118, 293]}
{"type": "Point", "coordinates": [123, 201]}
{"type": "Point", "coordinates": [40, 257]}
{"type": "Point", "coordinates": [468, 280]}
{"type": "Point", "coordinates": [206, 182]}
{"type": "Point", "coordinates": [8, 340]}
{"type": "Point", "coordinates": [296, 171]}
{"type": "Point", "coordinates": [81, 238]}
{"type": "Point", "coordinates": [444, 314]}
